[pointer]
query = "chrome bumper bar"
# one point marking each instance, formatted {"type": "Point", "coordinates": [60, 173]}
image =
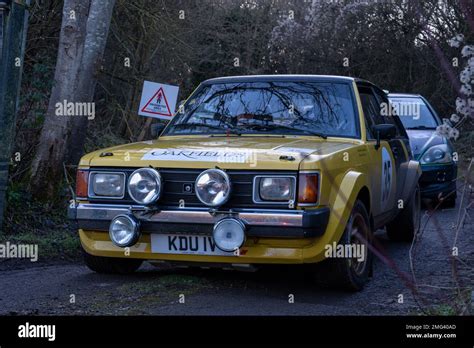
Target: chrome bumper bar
{"type": "Point", "coordinates": [303, 223]}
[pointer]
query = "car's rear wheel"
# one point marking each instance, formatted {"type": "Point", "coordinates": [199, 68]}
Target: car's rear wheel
{"type": "Point", "coordinates": [406, 225]}
{"type": "Point", "coordinates": [449, 201]}
{"type": "Point", "coordinates": [111, 265]}
{"type": "Point", "coordinates": [350, 273]}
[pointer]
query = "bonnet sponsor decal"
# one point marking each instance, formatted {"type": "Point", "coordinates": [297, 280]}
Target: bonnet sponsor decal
{"type": "Point", "coordinates": [221, 156]}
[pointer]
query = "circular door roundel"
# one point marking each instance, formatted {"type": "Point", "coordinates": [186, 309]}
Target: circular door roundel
{"type": "Point", "coordinates": [387, 179]}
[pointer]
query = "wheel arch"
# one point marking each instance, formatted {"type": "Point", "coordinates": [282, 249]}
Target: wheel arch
{"type": "Point", "coordinates": [364, 197]}
{"type": "Point", "coordinates": [350, 186]}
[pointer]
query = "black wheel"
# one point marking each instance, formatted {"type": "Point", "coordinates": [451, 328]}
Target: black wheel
{"type": "Point", "coordinates": [111, 265]}
{"type": "Point", "coordinates": [406, 225]}
{"type": "Point", "coordinates": [350, 273]}
{"type": "Point", "coordinates": [449, 202]}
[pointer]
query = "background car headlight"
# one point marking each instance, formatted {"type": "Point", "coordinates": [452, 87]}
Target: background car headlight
{"type": "Point", "coordinates": [213, 187]}
{"type": "Point", "coordinates": [107, 184]}
{"type": "Point", "coordinates": [144, 186]}
{"type": "Point", "coordinates": [229, 234]}
{"type": "Point", "coordinates": [124, 231]}
{"type": "Point", "coordinates": [437, 154]}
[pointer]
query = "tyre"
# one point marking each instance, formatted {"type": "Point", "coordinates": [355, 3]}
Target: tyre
{"type": "Point", "coordinates": [111, 265]}
{"type": "Point", "coordinates": [350, 273]}
{"type": "Point", "coordinates": [449, 202]}
{"type": "Point", "coordinates": [407, 223]}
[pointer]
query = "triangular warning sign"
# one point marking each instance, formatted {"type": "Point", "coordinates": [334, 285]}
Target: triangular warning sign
{"type": "Point", "coordinates": [158, 104]}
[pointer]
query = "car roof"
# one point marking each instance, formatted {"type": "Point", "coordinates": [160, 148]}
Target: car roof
{"type": "Point", "coordinates": [264, 78]}
{"type": "Point", "coordinates": [405, 95]}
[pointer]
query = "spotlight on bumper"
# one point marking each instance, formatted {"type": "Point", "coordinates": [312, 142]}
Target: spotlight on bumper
{"type": "Point", "coordinates": [229, 234]}
{"type": "Point", "coordinates": [124, 231]}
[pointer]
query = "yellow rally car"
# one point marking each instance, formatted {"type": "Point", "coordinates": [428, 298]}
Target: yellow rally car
{"type": "Point", "coordinates": [287, 169]}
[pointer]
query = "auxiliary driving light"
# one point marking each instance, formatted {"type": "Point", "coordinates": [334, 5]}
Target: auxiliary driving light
{"type": "Point", "coordinates": [124, 231]}
{"type": "Point", "coordinates": [229, 234]}
{"type": "Point", "coordinates": [144, 186]}
{"type": "Point", "coordinates": [213, 187]}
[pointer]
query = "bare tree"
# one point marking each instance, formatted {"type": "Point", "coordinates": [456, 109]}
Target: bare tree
{"type": "Point", "coordinates": [82, 40]}
{"type": "Point", "coordinates": [98, 23]}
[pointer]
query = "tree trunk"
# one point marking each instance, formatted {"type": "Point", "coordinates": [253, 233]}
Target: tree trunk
{"type": "Point", "coordinates": [47, 165]}
{"type": "Point", "coordinates": [82, 41]}
{"type": "Point", "coordinates": [98, 23]}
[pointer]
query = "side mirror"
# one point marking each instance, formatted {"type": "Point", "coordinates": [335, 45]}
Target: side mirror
{"type": "Point", "coordinates": [156, 129]}
{"type": "Point", "coordinates": [384, 132]}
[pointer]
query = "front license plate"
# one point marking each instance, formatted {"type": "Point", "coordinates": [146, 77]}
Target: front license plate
{"type": "Point", "coordinates": [185, 244]}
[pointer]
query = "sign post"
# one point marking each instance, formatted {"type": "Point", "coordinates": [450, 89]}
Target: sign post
{"type": "Point", "coordinates": [13, 28]}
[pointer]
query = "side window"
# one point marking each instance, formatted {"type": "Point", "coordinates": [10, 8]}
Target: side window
{"type": "Point", "coordinates": [391, 118]}
{"type": "Point", "coordinates": [368, 127]}
{"type": "Point", "coordinates": [371, 109]}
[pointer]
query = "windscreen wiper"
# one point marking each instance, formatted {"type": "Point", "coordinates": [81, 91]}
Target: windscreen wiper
{"type": "Point", "coordinates": [210, 126]}
{"type": "Point", "coordinates": [279, 126]}
{"type": "Point", "coordinates": [421, 128]}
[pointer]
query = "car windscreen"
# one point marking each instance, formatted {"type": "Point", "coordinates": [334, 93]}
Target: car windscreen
{"type": "Point", "coordinates": [414, 113]}
{"type": "Point", "coordinates": [299, 108]}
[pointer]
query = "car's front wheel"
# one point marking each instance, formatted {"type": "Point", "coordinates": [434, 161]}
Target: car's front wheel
{"type": "Point", "coordinates": [349, 272]}
{"type": "Point", "coordinates": [111, 265]}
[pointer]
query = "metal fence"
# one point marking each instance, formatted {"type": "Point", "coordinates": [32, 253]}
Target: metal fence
{"type": "Point", "coordinates": [13, 28]}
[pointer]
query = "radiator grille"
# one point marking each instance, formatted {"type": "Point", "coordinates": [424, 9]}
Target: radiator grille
{"type": "Point", "coordinates": [178, 184]}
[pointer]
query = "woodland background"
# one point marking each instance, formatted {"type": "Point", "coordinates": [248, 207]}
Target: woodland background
{"type": "Point", "coordinates": [401, 46]}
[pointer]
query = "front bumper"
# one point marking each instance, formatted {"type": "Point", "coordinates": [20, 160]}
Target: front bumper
{"type": "Point", "coordinates": [259, 223]}
{"type": "Point", "coordinates": [438, 179]}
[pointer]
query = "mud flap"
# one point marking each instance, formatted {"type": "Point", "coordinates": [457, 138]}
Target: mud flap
{"type": "Point", "coordinates": [413, 175]}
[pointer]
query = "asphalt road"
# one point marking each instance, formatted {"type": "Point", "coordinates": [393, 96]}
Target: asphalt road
{"type": "Point", "coordinates": [71, 289]}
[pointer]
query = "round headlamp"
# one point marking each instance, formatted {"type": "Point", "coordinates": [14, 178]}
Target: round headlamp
{"type": "Point", "coordinates": [229, 234]}
{"type": "Point", "coordinates": [124, 231]}
{"type": "Point", "coordinates": [213, 187]}
{"type": "Point", "coordinates": [144, 186]}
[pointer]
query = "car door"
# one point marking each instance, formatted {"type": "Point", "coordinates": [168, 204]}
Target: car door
{"type": "Point", "coordinates": [400, 145]}
{"type": "Point", "coordinates": [384, 166]}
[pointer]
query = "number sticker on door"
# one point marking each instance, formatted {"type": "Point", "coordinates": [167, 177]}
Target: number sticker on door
{"type": "Point", "coordinates": [387, 167]}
